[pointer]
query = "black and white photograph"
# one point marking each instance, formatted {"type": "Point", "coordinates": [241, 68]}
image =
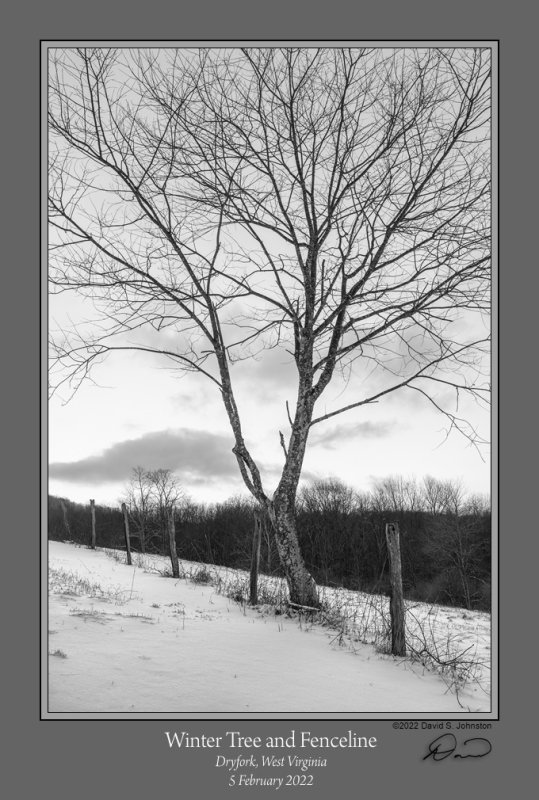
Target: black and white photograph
{"type": "Point", "coordinates": [270, 287]}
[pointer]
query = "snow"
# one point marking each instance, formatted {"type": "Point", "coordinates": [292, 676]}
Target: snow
{"type": "Point", "coordinates": [125, 639]}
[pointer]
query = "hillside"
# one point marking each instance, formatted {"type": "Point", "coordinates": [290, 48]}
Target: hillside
{"type": "Point", "coordinates": [130, 640]}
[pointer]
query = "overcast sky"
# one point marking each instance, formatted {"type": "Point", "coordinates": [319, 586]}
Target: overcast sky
{"type": "Point", "coordinates": [140, 413]}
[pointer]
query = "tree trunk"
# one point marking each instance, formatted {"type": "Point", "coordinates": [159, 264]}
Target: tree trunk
{"type": "Point", "coordinates": [172, 545]}
{"type": "Point", "coordinates": [255, 558]}
{"type": "Point", "coordinates": [301, 585]}
{"type": "Point", "coordinates": [280, 510]}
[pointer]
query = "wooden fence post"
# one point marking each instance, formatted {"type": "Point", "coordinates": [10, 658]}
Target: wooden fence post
{"type": "Point", "coordinates": [142, 537]}
{"type": "Point", "coordinates": [126, 532]}
{"type": "Point", "coordinates": [255, 559]}
{"type": "Point", "coordinates": [92, 510]}
{"type": "Point", "coordinates": [172, 544]}
{"type": "Point", "coordinates": [396, 603]}
{"type": "Point", "coordinates": [66, 519]}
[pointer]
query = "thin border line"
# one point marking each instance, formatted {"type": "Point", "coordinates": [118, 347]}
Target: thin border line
{"type": "Point", "coordinates": [44, 46]}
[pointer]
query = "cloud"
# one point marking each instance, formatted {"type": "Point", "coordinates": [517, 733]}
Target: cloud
{"type": "Point", "coordinates": [272, 369]}
{"type": "Point", "coordinates": [331, 439]}
{"type": "Point", "coordinates": [195, 456]}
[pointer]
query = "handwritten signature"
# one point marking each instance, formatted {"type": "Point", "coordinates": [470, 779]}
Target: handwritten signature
{"type": "Point", "coordinates": [446, 744]}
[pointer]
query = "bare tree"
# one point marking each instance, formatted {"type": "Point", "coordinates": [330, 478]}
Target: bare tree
{"type": "Point", "coordinates": [139, 501]}
{"type": "Point", "coordinates": [433, 495]}
{"type": "Point", "coordinates": [333, 203]}
{"type": "Point", "coordinates": [454, 536]}
{"type": "Point", "coordinates": [396, 494]}
{"type": "Point", "coordinates": [329, 496]}
{"type": "Point", "coordinates": [165, 494]}
{"type": "Point", "coordinates": [151, 496]}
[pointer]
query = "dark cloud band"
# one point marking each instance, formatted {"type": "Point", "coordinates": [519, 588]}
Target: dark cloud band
{"type": "Point", "coordinates": [193, 455]}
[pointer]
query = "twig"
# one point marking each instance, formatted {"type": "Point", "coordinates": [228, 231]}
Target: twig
{"type": "Point", "coordinates": [304, 608]}
{"type": "Point", "coordinates": [132, 583]}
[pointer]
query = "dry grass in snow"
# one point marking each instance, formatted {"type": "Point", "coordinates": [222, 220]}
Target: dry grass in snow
{"type": "Point", "coordinates": [134, 640]}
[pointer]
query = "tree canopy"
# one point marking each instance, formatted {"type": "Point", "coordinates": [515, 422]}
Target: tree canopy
{"type": "Point", "coordinates": [330, 202]}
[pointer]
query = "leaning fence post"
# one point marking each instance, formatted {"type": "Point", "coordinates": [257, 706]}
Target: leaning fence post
{"type": "Point", "coordinates": [172, 544]}
{"type": "Point", "coordinates": [92, 510]}
{"type": "Point", "coordinates": [126, 532]}
{"type": "Point", "coordinates": [255, 559]}
{"type": "Point", "coordinates": [396, 604]}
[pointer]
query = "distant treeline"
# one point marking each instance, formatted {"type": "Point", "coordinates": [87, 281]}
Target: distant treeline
{"type": "Point", "coordinates": [445, 536]}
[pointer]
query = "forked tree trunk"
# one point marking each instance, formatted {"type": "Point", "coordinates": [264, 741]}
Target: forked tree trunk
{"type": "Point", "coordinates": [301, 585]}
{"type": "Point", "coordinates": [280, 510]}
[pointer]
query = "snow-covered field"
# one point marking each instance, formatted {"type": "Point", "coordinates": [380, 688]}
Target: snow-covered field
{"type": "Point", "coordinates": [125, 639]}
